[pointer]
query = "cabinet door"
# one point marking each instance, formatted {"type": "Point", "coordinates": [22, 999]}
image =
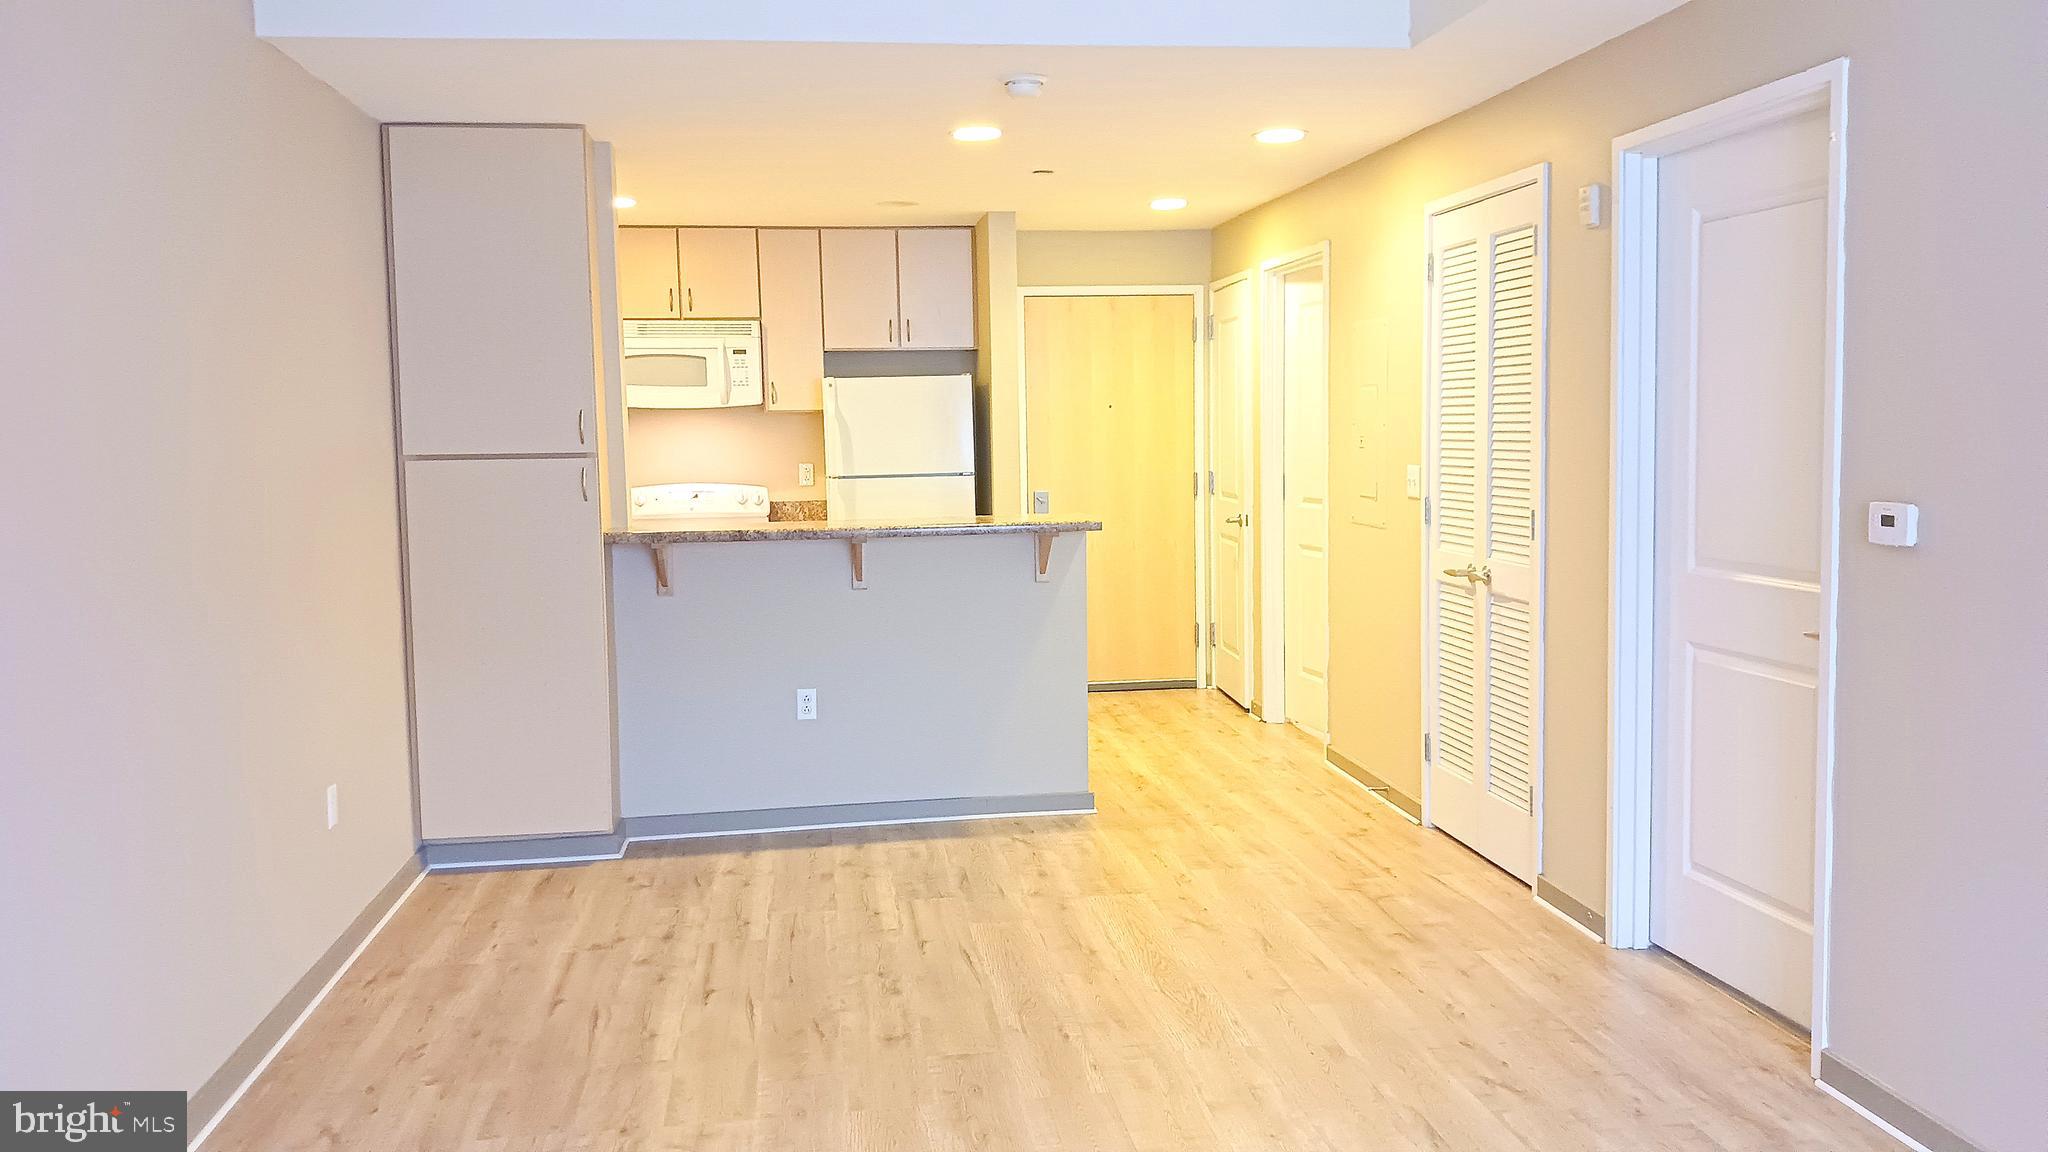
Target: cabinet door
{"type": "Point", "coordinates": [491, 282]}
{"type": "Point", "coordinates": [936, 286]}
{"type": "Point", "coordinates": [511, 674]}
{"type": "Point", "coordinates": [650, 288]}
{"type": "Point", "coordinates": [792, 319]}
{"type": "Point", "coordinates": [721, 278]}
{"type": "Point", "coordinates": [859, 272]}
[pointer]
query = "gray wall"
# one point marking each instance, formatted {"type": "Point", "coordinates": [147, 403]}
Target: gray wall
{"type": "Point", "coordinates": [1941, 875]}
{"type": "Point", "coordinates": [199, 626]}
{"type": "Point", "coordinates": [954, 673]}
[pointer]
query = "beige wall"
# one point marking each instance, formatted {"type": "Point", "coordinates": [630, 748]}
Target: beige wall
{"type": "Point", "coordinates": [199, 614]}
{"type": "Point", "coordinates": [1939, 935]}
{"type": "Point", "coordinates": [1098, 258]}
{"type": "Point", "coordinates": [727, 446]}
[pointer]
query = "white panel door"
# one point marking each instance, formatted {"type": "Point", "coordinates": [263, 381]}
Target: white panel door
{"type": "Point", "coordinates": [1741, 338]}
{"type": "Point", "coordinates": [511, 671]}
{"type": "Point", "coordinates": [859, 276]}
{"type": "Point", "coordinates": [1305, 378]}
{"type": "Point", "coordinates": [491, 277]}
{"type": "Point", "coordinates": [1230, 500]}
{"type": "Point", "coordinates": [1486, 348]}
{"type": "Point", "coordinates": [935, 284]}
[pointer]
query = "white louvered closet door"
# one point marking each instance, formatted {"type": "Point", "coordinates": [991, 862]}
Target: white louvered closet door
{"type": "Point", "coordinates": [1486, 346]}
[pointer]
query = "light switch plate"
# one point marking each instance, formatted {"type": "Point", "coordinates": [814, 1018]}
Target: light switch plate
{"type": "Point", "coordinates": [1894, 525]}
{"type": "Point", "coordinates": [1041, 503]}
{"type": "Point", "coordinates": [804, 475]}
{"type": "Point", "coordinates": [1415, 481]}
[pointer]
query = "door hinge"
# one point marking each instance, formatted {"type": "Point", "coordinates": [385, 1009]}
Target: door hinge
{"type": "Point", "coordinates": [1428, 746]}
{"type": "Point", "coordinates": [1198, 633]}
{"type": "Point", "coordinates": [1425, 511]}
{"type": "Point", "coordinates": [1211, 332]}
{"type": "Point", "coordinates": [1429, 268]}
{"type": "Point", "coordinates": [1212, 481]}
{"type": "Point", "coordinates": [1212, 634]}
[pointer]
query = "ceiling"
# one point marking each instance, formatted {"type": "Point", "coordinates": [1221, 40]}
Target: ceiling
{"type": "Point", "coordinates": [765, 132]}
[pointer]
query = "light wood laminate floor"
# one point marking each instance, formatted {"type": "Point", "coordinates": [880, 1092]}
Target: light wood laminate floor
{"type": "Point", "coordinates": [1241, 950]}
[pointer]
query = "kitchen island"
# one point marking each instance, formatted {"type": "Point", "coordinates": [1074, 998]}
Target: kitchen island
{"type": "Point", "coordinates": [948, 662]}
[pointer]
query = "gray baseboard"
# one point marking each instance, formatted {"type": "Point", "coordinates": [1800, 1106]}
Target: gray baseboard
{"type": "Point", "coordinates": [1554, 896]}
{"type": "Point", "coordinates": [212, 1096]}
{"type": "Point", "coordinates": [1137, 685]}
{"type": "Point", "coordinates": [689, 824]}
{"type": "Point", "coordinates": [542, 851]}
{"type": "Point", "coordinates": [1388, 792]}
{"type": "Point", "coordinates": [1884, 1104]}
{"type": "Point", "coordinates": [446, 855]}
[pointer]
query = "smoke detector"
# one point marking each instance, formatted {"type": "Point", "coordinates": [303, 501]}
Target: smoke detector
{"type": "Point", "coordinates": [1024, 84]}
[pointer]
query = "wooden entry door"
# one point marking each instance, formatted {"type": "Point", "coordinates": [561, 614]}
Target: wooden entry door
{"type": "Point", "coordinates": [1109, 434]}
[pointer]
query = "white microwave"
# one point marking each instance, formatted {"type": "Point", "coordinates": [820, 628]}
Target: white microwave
{"type": "Point", "coordinates": [692, 363]}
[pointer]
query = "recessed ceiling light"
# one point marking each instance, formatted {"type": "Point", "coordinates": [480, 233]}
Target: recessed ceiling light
{"type": "Point", "coordinates": [976, 133]}
{"type": "Point", "coordinates": [1279, 135]}
{"type": "Point", "coordinates": [623, 201]}
{"type": "Point", "coordinates": [1169, 204]}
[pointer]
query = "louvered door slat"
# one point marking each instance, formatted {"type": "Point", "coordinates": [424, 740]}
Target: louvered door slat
{"type": "Point", "coordinates": [1511, 398]}
{"type": "Point", "coordinates": [1459, 286]}
{"type": "Point", "coordinates": [1510, 702]}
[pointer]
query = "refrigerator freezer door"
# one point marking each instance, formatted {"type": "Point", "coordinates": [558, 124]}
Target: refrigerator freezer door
{"type": "Point", "coordinates": [911, 498]}
{"type": "Point", "coordinates": [899, 426]}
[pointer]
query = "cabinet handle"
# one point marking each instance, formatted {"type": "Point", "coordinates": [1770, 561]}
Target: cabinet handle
{"type": "Point", "coordinates": [583, 482]}
{"type": "Point", "coordinates": [892, 331]}
{"type": "Point", "coordinates": [774, 393]}
{"type": "Point", "coordinates": [671, 299]}
{"type": "Point", "coordinates": [579, 426]}
{"type": "Point", "coordinates": [906, 329]}
{"type": "Point", "coordinates": [690, 299]}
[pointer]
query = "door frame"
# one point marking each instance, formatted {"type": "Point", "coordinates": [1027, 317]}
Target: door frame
{"type": "Point", "coordinates": [1632, 525]}
{"type": "Point", "coordinates": [1198, 296]}
{"type": "Point", "coordinates": [1270, 318]}
{"type": "Point", "coordinates": [1539, 176]}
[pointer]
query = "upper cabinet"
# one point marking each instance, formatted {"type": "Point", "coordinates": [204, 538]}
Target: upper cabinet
{"type": "Point", "coordinates": [898, 288]}
{"type": "Point", "coordinates": [859, 288]}
{"type": "Point", "coordinates": [688, 273]}
{"type": "Point", "coordinates": [650, 285]}
{"type": "Point", "coordinates": [792, 320]}
{"type": "Point", "coordinates": [720, 277]}
{"type": "Point", "coordinates": [935, 287]}
{"type": "Point", "coordinates": [495, 348]}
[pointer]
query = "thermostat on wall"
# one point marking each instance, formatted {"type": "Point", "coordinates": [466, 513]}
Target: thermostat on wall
{"type": "Point", "coordinates": [1897, 525]}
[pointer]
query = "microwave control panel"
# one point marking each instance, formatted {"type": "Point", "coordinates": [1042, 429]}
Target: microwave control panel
{"type": "Point", "coordinates": [743, 374]}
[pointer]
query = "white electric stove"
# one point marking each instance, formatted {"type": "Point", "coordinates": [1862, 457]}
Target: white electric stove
{"type": "Point", "coordinates": [650, 504]}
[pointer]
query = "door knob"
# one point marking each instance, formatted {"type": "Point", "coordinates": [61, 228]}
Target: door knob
{"type": "Point", "coordinates": [1472, 574]}
{"type": "Point", "coordinates": [1242, 519]}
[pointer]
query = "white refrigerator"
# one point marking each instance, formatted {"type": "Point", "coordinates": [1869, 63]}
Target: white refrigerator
{"type": "Point", "coordinates": [899, 447]}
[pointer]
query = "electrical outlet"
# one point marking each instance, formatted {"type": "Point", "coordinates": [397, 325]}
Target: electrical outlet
{"type": "Point", "coordinates": [807, 703]}
{"type": "Point", "coordinates": [333, 805]}
{"type": "Point", "coordinates": [804, 475]}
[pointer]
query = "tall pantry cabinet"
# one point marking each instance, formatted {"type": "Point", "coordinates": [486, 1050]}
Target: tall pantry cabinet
{"type": "Point", "coordinates": [494, 329]}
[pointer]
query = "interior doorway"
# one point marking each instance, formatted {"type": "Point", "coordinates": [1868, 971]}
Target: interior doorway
{"type": "Point", "coordinates": [1296, 394]}
{"type": "Point", "coordinates": [1727, 527]}
{"type": "Point", "coordinates": [1111, 390]}
{"type": "Point", "coordinates": [1228, 484]}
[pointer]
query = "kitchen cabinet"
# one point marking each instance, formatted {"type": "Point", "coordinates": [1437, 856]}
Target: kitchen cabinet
{"type": "Point", "coordinates": [491, 276]}
{"type": "Point", "coordinates": [649, 277]}
{"type": "Point", "coordinates": [511, 666]}
{"type": "Point", "coordinates": [792, 319]}
{"type": "Point", "coordinates": [898, 288]}
{"type": "Point", "coordinates": [859, 282]}
{"type": "Point", "coordinates": [935, 287]}
{"type": "Point", "coordinates": [720, 275]}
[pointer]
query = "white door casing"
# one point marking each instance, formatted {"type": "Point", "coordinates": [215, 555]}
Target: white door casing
{"type": "Point", "coordinates": [1230, 502]}
{"type": "Point", "coordinates": [1741, 342]}
{"type": "Point", "coordinates": [1306, 399]}
{"type": "Point", "coordinates": [1482, 585]}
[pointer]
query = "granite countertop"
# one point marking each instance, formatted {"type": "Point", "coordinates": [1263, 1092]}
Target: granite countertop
{"type": "Point", "coordinates": [726, 531]}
